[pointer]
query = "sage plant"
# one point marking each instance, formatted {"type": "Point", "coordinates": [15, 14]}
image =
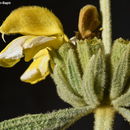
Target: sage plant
{"type": "Point", "coordinates": [91, 74]}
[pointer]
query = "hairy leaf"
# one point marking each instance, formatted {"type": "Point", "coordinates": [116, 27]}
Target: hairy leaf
{"type": "Point", "coordinates": [59, 120]}
{"type": "Point", "coordinates": [124, 112]}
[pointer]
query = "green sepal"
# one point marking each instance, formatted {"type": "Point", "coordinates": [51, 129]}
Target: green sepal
{"type": "Point", "coordinates": [59, 120]}
{"type": "Point", "coordinates": [100, 74]}
{"type": "Point", "coordinates": [94, 45]}
{"type": "Point", "coordinates": [64, 88]}
{"type": "Point", "coordinates": [55, 57]}
{"type": "Point", "coordinates": [59, 56]}
{"type": "Point", "coordinates": [63, 51]}
{"type": "Point", "coordinates": [86, 48]}
{"type": "Point", "coordinates": [120, 74]}
{"type": "Point", "coordinates": [74, 72]}
{"type": "Point", "coordinates": [124, 112]}
{"type": "Point", "coordinates": [118, 48]}
{"type": "Point", "coordinates": [83, 53]}
{"type": "Point", "coordinates": [123, 100]}
{"type": "Point", "coordinates": [94, 80]}
{"type": "Point", "coordinates": [90, 96]}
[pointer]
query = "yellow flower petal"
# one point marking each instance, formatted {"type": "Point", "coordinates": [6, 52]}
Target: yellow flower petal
{"type": "Point", "coordinates": [39, 68]}
{"type": "Point", "coordinates": [34, 44]}
{"type": "Point", "coordinates": [32, 20]}
{"type": "Point", "coordinates": [12, 52]}
{"type": "Point", "coordinates": [27, 46]}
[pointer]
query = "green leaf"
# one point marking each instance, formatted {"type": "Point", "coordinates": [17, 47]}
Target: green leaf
{"type": "Point", "coordinates": [73, 72]}
{"type": "Point", "coordinates": [120, 75]}
{"type": "Point", "coordinates": [59, 120]}
{"type": "Point", "coordinates": [94, 80]}
{"type": "Point", "coordinates": [64, 88]}
{"type": "Point", "coordinates": [124, 112]}
{"type": "Point", "coordinates": [123, 100]}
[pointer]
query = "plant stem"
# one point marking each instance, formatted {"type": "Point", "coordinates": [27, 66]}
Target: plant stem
{"type": "Point", "coordinates": [106, 24]}
{"type": "Point", "coordinates": [104, 117]}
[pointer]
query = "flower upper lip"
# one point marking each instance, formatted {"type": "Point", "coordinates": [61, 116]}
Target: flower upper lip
{"type": "Point", "coordinates": [32, 20]}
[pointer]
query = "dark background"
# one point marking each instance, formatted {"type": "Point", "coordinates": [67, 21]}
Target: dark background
{"type": "Point", "coordinates": [18, 98]}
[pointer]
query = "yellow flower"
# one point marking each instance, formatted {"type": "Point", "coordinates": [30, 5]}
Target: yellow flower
{"type": "Point", "coordinates": [42, 31]}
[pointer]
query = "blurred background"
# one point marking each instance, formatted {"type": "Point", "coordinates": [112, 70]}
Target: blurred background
{"type": "Point", "coordinates": [18, 98]}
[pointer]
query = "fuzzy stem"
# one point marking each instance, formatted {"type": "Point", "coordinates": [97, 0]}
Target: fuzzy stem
{"type": "Point", "coordinates": [106, 24]}
{"type": "Point", "coordinates": [104, 117]}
